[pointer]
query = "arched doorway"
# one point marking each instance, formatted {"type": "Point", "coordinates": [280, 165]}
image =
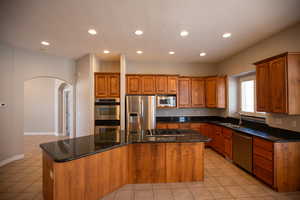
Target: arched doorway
{"type": "Point", "coordinates": [48, 107]}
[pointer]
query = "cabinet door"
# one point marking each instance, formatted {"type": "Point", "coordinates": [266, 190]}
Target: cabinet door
{"type": "Point", "coordinates": [101, 88]}
{"type": "Point", "coordinates": [173, 126]}
{"type": "Point", "coordinates": [134, 85]}
{"type": "Point", "coordinates": [198, 92]}
{"type": "Point", "coordinates": [148, 84]}
{"type": "Point", "coordinates": [278, 85]}
{"type": "Point", "coordinates": [221, 92]}
{"type": "Point", "coordinates": [161, 83]}
{"type": "Point", "coordinates": [227, 136]}
{"type": "Point", "coordinates": [172, 84]}
{"type": "Point", "coordinates": [262, 87]}
{"type": "Point", "coordinates": [184, 93]}
{"type": "Point", "coordinates": [211, 91]}
{"type": "Point", "coordinates": [114, 85]}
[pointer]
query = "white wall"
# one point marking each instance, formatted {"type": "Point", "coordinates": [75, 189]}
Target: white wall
{"type": "Point", "coordinates": [17, 66]}
{"type": "Point", "coordinates": [288, 40]}
{"type": "Point", "coordinates": [39, 101]}
{"type": "Point", "coordinates": [84, 95]}
{"type": "Point", "coordinates": [184, 69]}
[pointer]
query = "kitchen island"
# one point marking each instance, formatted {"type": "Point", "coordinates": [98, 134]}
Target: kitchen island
{"type": "Point", "coordinates": [92, 166]}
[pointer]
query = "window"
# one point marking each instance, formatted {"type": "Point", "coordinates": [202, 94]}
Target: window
{"type": "Point", "coordinates": [248, 96]}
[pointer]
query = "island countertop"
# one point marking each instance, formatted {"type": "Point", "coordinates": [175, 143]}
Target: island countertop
{"type": "Point", "coordinates": [75, 148]}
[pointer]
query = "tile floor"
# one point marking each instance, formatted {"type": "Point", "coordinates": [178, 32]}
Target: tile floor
{"type": "Point", "coordinates": [22, 180]}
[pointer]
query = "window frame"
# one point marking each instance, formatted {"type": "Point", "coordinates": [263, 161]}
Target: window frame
{"type": "Point", "coordinates": [255, 113]}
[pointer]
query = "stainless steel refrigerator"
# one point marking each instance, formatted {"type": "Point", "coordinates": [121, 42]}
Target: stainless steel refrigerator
{"type": "Point", "coordinates": [140, 113]}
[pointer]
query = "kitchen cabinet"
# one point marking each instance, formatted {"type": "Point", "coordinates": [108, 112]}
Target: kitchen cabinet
{"type": "Point", "coordinates": [262, 87]}
{"type": "Point", "coordinates": [227, 136]}
{"type": "Point", "coordinates": [107, 85]}
{"type": "Point", "coordinates": [161, 125]}
{"type": "Point", "coordinates": [215, 92]}
{"type": "Point", "coordinates": [278, 84]}
{"type": "Point", "coordinates": [148, 84]}
{"type": "Point", "coordinates": [184, 96]}
{"type": "Point", "coordinates": [133, 84]}
{"type": "Point", "coordinates": [172, 84]}
{"type": "Point", "coordinates": [198, 92]}
{"type": "Point", "coordinates": [263, 160]}
{"type": "Point", "coordinates": [161, 83]}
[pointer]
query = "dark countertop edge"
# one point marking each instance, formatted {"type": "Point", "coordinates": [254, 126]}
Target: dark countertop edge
{"type": "Point", "coordinates": [83, 155]}
{"type": "Point", "coordinates": [277, 140]}
{"type": "Point", "coordinates": [116, 146]}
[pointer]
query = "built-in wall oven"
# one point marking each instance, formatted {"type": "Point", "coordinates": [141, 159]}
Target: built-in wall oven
{"type": "Point", "coordinates": [107, 119]}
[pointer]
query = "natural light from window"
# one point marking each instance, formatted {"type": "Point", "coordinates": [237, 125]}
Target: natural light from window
{"type": "Point", "coordinates": [247, 96]}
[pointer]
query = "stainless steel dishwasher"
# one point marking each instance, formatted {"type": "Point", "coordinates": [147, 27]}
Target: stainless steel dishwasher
{"type": "Point", "coordinates": [242, 150]}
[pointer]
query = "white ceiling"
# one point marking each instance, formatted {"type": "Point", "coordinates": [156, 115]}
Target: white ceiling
{"type": "Point", "coordinates": [64, 23]}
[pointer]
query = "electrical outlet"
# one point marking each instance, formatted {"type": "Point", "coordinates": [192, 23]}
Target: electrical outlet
{"type": "Point", "coordinates": [2, 105]}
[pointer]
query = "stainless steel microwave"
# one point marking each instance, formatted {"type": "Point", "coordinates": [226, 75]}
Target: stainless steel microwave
{"type": "Point", "coordinates": [166, 101]}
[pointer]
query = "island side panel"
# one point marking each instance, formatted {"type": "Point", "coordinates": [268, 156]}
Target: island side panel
{"type": "Point", "coordinates": [76, 179]}
{"type": "Point", "coordinates": [47, 177]}
{"type": "Point", "coordinates": [147, 163]}
{"type": "Point", "coordinates": [87, 178]}
{"type": "Point", "coordinates": [113, 170]}
{"type": "Point", "coordinates": [184, 162]}
{"type": "Point", "coordinates": [287, 165]}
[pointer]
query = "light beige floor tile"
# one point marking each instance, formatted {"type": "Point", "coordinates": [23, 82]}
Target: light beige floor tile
{"type": "Point", "coordinates": [143, 195]}
{"type": "Point", "coordinates": [182, 194]}
{"type": "Point", "coordinates": [201, 194]}
{"type": "Point", "coordinates": [124, 195]}
{"type": "Point", "coordinates": [237, 191]}
{"type": "Point", "coordinates": [163, 194]}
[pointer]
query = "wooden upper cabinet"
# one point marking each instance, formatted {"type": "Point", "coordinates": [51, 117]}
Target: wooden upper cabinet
{"type": "Point", "coordinates": [262, 87]}
{"type": "Point", "coordinates": [221, 92]}
{"type": "Point", "coordinates": [172, 84]}
{"type": "Point", "coordinates": [198, 92]}
{"type": "Point", "coordinates": [278, 84]}
{"type": "Point", "coordinates": [101, 89]}
{"type": "Point", "coordinates": [133, 84]}
{"type": "Point", "coordinates": [161, 83]}
{"type": "Point", "coordinates": [211, 92]}
{"type": "Point", "coordinates": [114, 85]}
{"type": "Point", "coordinates": [107, 85]}
{"type": "Point", "coordinates": [148, 84]}
{"type": "Point", "coordinates": [184, 96]}
{"type": "Point", "coordinates": [215, 92]}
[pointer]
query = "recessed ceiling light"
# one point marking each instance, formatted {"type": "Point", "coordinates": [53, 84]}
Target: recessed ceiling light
{"type": "Point", "coordinates": [203, 54]}
{"type": "Point", "coordinates": [171, 52]}
{"type": "Point", "coordinates": [139, 32]}
{"type": "Point", "coordinates": [92, 31]}
{"type": "Point", "coordinates": [184, 33]}
{"type": "Point", "coordinates": [106, 51]}
{"type": "Point", "coordinates": [226, 35]}
{"type": "Point", "coordinates": [45, 43]}
{"type": "Point", "coordinates": [139, 52]}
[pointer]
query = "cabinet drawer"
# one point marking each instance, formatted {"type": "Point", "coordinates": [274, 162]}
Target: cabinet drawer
{"type": "Point", "coordinates": [184, 125]}
{"type": "Point", "coordinates": [161, 125]}
{"type": "Point", "coordinates": [263, 153]}
{"type": "Point", "coordinates": [263, 163]}
{"type": "Point", "coordinates": [264, 144]}
{"type": "Point", "coordinates": [263, 175]}
{"type": "Point", "coordinates": [196, 125]}
{"type": "Point", "coordinates": [227, 133]}
{"type": "Point", "coordinates": [173, 126]}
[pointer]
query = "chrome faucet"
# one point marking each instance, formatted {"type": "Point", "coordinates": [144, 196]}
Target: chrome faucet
{"type": "Point", "coordinates": [240, 120]}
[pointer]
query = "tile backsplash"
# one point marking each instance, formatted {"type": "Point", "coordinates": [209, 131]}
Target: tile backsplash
{"type": "Point", "coordinates": [189, 112]}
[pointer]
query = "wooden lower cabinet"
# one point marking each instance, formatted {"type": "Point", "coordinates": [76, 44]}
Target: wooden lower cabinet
{"type": "Point", "coordinates": [227, 136]}
{"type": "Point", "coordinates": [147, 163]}
{"type": "Point", "coordinates": [184, 162]}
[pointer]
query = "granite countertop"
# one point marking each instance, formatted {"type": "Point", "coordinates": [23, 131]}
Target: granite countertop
{"type": "Point", "coordinates": [75, 148]}
{"type": "Point", "coordinates": [255, 129]}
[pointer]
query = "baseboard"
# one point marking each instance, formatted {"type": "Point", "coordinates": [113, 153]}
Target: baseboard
{"type": "Point", "coordinates": [11, 159]}
{"type": "Point", "coordinates": [40, 133]}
